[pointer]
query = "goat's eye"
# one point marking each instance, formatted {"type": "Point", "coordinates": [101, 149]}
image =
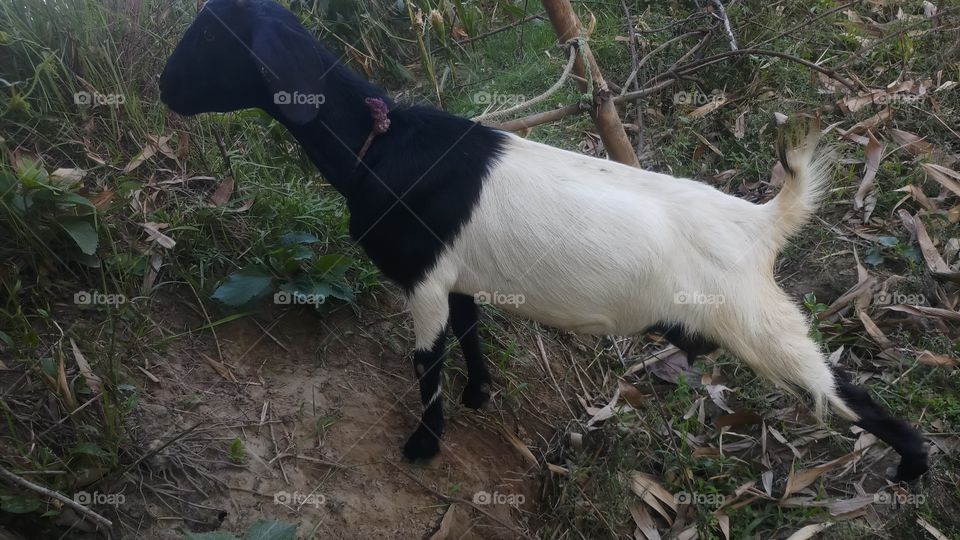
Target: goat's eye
{"type": "Point", "coordinates": [207, 35]}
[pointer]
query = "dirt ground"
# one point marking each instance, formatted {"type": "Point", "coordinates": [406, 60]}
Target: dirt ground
{"type": "Point", "coordinates": [321, 410]}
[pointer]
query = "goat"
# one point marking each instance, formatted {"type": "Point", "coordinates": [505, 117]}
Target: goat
{"type": "Point", "coordinates": [453, 211]}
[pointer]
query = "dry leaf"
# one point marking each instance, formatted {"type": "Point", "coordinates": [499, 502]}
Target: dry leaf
{"type": "Point", "coordinates": [911, 143]}
{"type": "Point", "coordinates": [918, 195]}
{"type": "Point", "coordinates": [631, 394]}
{"type": "Point", "coordinates": [740, 126]}
{"type": "Point", "coordinates": [938, 267]}
{"type": "Point", "coordinates": [870, 123]}
{"type": "Point", "coordinates": [938, 360]}
{"type": "Point", "coordinates": [148, 151]}
{"type": "Point", "coordinates": [809, 531]}
{"type": "Point", "coordinates": [520, 446]}
{"type": "Point", "coordinates": [67, 177]}
{"type": "Point", "coordinates": [874, 152]}
{"type": "Point", "coordinates": [223, 193]}
{"type": "Point", "coordinates": [948, 178]}
{"type": "Point", "coordinates": [674, 367]}
{"type": "Point", "coordinates": [846, 506]}
{"type": "Point", "coordinates": [652, 493]}
{"type": "Point", "coordinates": [644, 521]}
{"type": "Point", "coordinates": [93, 380]}
{"type": "Point", "coordinates": [154, 234]}
{"type": "Point", "coordinates": [723, 521]}
{"type": "Point", "coordinates": [934, 532]}
{"type": "Point", "coordinates": [221, 369]}
{"type": "Point", "coordinates": [455, 524]}
{"type": "Point", "coordinates": [101, 201]}
{"type": "Point", "coordinates": [801, 479]}
{"type": "Point", "coordinates": [878, 336]}
{"type": "Point", "coordinates": [924, 311]}
{"type": "Point", "coordinates": [607, 411]}
{"type": "Point", "coordinates": [711, 106]}
{"type": "Point", "coordinates": [63, 387]}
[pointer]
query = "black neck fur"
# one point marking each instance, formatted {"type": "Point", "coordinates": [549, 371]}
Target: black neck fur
{"type": "Point", "coordinates": [418, 183]}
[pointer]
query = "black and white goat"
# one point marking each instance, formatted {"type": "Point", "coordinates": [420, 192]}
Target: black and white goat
{"type": "Point", "coordinates": [449, 209]}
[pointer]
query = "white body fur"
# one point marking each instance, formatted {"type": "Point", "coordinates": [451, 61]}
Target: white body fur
{"type": "Point", "coordinates": [597, 247]}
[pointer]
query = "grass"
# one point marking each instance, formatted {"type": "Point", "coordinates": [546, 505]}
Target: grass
{"type": "Point", "coordinates": [52, 49]}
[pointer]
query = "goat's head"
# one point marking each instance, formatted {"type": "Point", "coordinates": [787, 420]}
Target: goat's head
{"type": "Point", "coordinates": [241, 54]}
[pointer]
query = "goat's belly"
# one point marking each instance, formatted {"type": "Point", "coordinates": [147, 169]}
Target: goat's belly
{"type": "Point", "coordinates": [595, 323]}
{"type": "Point", "coordinates": [584, 308]}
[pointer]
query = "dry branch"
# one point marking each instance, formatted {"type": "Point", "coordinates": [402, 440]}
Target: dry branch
{"type": "Point", "coordinates": [83, 510]}
{"type": "Point", "coordinates": [604, 112]}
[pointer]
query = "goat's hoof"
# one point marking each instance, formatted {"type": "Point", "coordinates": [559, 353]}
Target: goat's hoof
{"type": "Point", "coordinates": [475, 396]}
{"type": "Point", "coordinates": [422, 445]}
{"type": "Point", "coordinates": [911, 468]}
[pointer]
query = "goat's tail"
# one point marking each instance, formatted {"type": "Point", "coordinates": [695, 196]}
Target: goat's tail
{"type": "Point", "coordinates": [807, 171]}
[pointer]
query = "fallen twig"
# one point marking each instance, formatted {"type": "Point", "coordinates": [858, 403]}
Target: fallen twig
{"type": "Point", "coordinates": [83, 510]}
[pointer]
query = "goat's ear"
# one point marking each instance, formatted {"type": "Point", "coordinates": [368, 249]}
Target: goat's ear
{"type": "Point", "coordinates": [290, 63]}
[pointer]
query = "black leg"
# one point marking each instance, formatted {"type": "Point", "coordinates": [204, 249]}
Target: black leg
{"type": "Point", "coordinates": [428, 365]}
{"type": "Point", "coordinates": [464, 321]}
{"type": "Point", "coordinates": [906, 440]}
{"type": "Point", "coordinates": [693, 344]}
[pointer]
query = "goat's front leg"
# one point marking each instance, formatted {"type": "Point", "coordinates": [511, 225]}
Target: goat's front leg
{"type": "Point", "coordinates": [430, 314]}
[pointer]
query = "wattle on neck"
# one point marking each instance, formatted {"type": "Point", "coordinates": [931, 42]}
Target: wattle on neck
{"type": "Point", "coordinates": [343, 123]}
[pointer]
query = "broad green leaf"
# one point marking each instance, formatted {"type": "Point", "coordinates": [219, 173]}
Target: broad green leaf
{"type": "Point", "coordinates": [6, 339]}
{"type": "Point", "coordinates": [82, 232]}
{"type": "Point", "coordinates": [298, 238]}
{"type": "Point", "coordinates": [332, 267]}
{"type": "Point", "coordinates": [888, 241]}
{"type": "Point", "coordinates": [89, 449]}
{"type": "Point", "coordinates": [58, 197]}
{"type": "Point", "coordinates": [49, 366]}
{"type": "Point", "coordinates": [272, 530]}
{"type": "Point", "coordinates": [243, 287]}
{"type": "Point", "coordinates": [32, 174]}
{"type": "Point", "coordinates": [214, 535]}
{"type": "Point", "coordinates": [873, 256]}
{"type": "Point", "coordinates": [301, 253]}
{"type": "Point", "coordinates": [237, 453]}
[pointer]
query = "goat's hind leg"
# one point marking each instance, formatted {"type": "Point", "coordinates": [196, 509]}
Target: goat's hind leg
{"type": "Point", "coordinates": [691, 343]}
{"type": "Point", "coordinates": [774, 342]}
{"type": "Point", "coordinates": [464, 321]}
{"type": "Point", "coordinates": [869, 415]}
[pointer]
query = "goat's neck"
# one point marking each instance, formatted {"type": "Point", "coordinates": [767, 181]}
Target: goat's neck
{"type": "Point", "coordinates": [333, 152]}
{"type": "Point", "coordinates": [335, 138]}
